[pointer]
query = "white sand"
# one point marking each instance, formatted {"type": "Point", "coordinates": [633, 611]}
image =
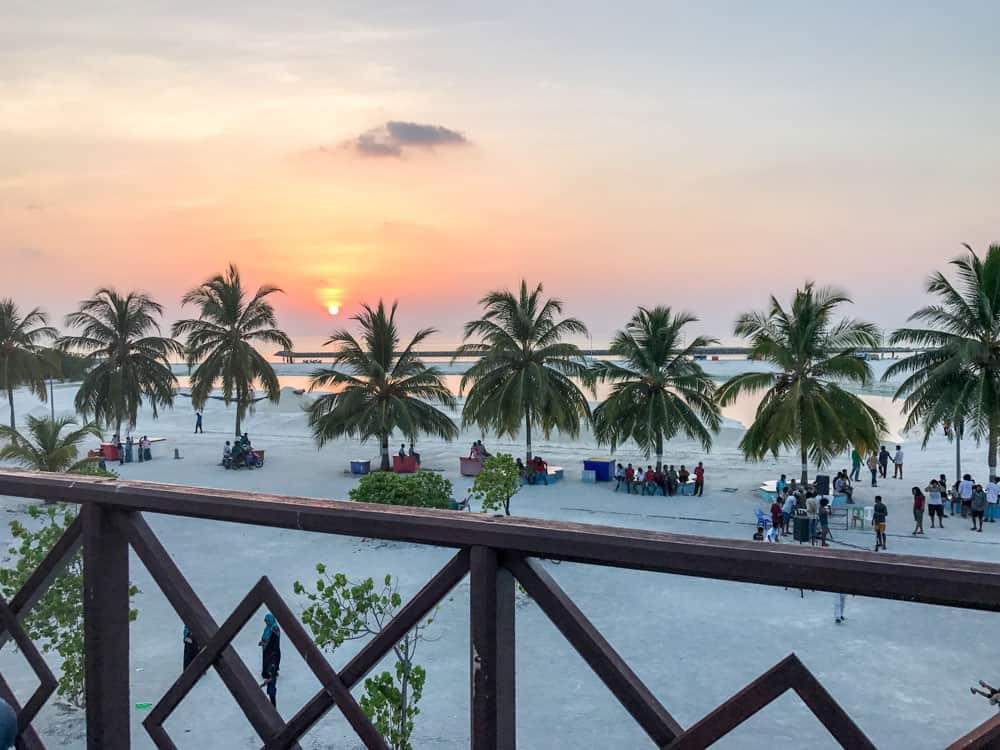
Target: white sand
{"type": "Point", "coordinates": [902, 671]}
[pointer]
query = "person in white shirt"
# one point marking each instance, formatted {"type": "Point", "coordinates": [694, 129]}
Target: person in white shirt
{"type": "Point", "coordinates": [897, 463]}
{"type": "Point", "coordinates": [992, 500]}
{"type": "Point", "coordinates": [965, 494]}
{"type": "Point", "coordinates": [786, 512]}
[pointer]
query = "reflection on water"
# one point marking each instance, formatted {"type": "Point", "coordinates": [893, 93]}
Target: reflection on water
{"type": "Point", "coordinates": [742, 410]}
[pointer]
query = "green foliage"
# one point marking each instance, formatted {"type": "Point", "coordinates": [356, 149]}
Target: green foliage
{"type": "Point", "coordinates": [659, 389]}
{"type": "Point", "coordinates": [524, 374]}
{"type": "Point", "coordinates": [497, 483]}
{"type": "Point", "coordinates": [224, 342]}
{"type": "Point", "coordinates": [20, 341]}
{"type": "Point", "coordinates": [379, 388]}
{"type": "Point", "coordinates": [340, 610]}
{"type": "Point", "coordinates": [56, 621]}
{"type": "Point", "coordinates": [383, 703]}
{"type": "Point", "coordinates": [65, 366]}
{"type": "Point", "coordinates": [425, 489]}
{"type": "Point", "coordinates": [47, 445]}
{"type": "Point", "coordinates": [956, 376]}
{"type": "Point", "coordinates": [132, 362]}
{"type": "Point", "coordinates": [803, 404]}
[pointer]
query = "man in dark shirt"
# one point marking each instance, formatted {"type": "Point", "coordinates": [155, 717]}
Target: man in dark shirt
{"type": "Point", "coordinates": [878, 521]}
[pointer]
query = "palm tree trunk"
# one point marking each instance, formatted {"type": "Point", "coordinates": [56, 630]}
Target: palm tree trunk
{"type": "Point", "coordinates": [527, 431]}
{"type": "Point", "coordinates": [383, 448]}
{"type": "Point", "coordinates": [804, 454]}
{"type": "Point", "coordinates": [659, 452]}
{"type": "Point", "coordinates": [10, 400]}
{"type": "Point", "coordinates": [239, 419]}
{"type": "Point", "coordinates": [991, 456]}
{"type": "Point", "coordinates": [958, 449]}
{"type": "Point", "coordinates": [52, 400]}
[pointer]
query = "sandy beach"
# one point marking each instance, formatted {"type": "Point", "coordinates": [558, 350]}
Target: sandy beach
{"type": "Point", "coordinates": [694, 642]}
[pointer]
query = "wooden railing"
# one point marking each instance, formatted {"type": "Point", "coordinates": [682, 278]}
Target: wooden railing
{"type": "Point", "coordinates": [493, 552]}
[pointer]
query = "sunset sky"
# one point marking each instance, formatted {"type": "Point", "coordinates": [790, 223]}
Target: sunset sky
{"type": "Point", "coordinates": [699, 154]}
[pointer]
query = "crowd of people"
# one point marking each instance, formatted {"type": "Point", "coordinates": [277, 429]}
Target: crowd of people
{"type": "Point", "coordinates": [141, 448]}
{"type": "Point", "coordinates": [966, 498]}
{"type": "Point", "coordinates": [240, 453]}
{"type": "Point", "coordinates": [667, 482]}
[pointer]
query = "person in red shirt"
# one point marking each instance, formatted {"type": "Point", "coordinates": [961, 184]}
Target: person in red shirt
{"type": "Point", "coordinates": [699, 480]}
{"type": "Point", "coordinates": [776, 521]}
{"type": "Point", "coordinates": [629, 478]}
{"type": "Point", "coordinates": [541, 469]}
{"type": "Point", "coordinates": [649, 483]}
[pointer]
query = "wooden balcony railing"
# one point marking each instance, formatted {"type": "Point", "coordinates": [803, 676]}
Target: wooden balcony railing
{"type": "Point", "coordinates": [494, 552]}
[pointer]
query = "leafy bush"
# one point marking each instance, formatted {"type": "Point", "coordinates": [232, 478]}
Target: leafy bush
{"type": "Point", "coordinates": [56, 621]}
{"type": "Point", "coordinates": [425, 489]}
{"type": "Point", "coordinates": [497, 483]}
{"type": "Point", "coordinates": [341, 610]}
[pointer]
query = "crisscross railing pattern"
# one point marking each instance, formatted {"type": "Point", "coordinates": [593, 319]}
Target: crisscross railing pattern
{"type": "Point", "coordinates": [492, 552]}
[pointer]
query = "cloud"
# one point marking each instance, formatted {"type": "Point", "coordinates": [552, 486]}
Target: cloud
{"type": "Point", "coordinates": [395, 137]}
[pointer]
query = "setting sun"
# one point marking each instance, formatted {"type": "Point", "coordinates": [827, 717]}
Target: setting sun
{"type": "Point", "coordinates": [333, 309]}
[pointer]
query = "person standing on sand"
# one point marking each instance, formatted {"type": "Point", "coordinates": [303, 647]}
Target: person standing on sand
{"type": "Point", "coordinates": [839, 600]}
{"type": "Point", "coordinates": [786, 512]}
{"type": "Point", "coordinates": [897, 463]}
{"type": "Point", "coordinates": [878, 521]}
{"type": "Point", "coordinates": [992, 499]}
{"type": "Point", "coordinates": [935, 502]}
{"type": "Point", "coordinates": [965, 495]}
{"type": "Point", "coordinates": [776, 516]}
{"type": "Point", "coordinates": [978, 506]}
{"type": "Point", "coordinates": [855, 465]}
{"type": "Point", "coordinates": [883, 463]}
{"type": "Point", "coordinates": [873, 468]}
{"type": "Point", "coordinates": [197, 423]}
{"type": "Point", "coordinates": [919, 501]}
{"type": "Point", "coordinates": [699, 480]}
{"type": "Point", "coordinates": [824, 519]}
{"type": "Point", "coordinates": [812, 513]}
{"type": "Point", "coordinates": [270, 643]}
{"type": "Point", "coordinates": [191, 647]}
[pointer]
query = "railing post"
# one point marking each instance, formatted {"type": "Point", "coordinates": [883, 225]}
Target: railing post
{"type": "Point", "coordinates": [492, 641]}
{"type": "Point", "coordinates": [105, 629]}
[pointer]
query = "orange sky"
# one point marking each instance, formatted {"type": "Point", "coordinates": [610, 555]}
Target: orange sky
{"type": "Point", "coordinates": [688, 157]}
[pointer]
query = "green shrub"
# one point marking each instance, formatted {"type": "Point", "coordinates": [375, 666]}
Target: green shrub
{"type": "Point", "coordinates": [425, 489]}
{"type": "Point", "coordinates": [497, 483]}
{"type": "Point", "coordinates": [56, 621]}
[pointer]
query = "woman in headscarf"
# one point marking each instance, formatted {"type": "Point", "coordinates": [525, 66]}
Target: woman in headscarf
{"type": "Point", "coordinates": [270, 643]}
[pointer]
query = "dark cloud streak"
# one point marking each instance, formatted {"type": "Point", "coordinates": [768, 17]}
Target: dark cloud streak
{"type": "Point", "coordinates": [395, 137]}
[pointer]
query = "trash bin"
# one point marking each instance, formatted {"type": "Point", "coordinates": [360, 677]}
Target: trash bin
{"type": "Point", "coordinates": [800, 529]}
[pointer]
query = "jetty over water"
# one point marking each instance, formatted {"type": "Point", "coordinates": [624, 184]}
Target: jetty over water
{"type": "Point", "coordinates": [879, 352]}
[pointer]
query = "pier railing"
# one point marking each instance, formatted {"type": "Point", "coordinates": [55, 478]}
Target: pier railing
{"type": "Point", "coordinates": [493, 552]}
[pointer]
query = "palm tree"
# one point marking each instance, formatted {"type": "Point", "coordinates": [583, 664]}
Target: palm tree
{"type": "Point", "coordinates": [659, 390]}
{"type": "Point", "coordinates": [803, 405]}
{"type": "Point", "coordinates": [956, 375]}
{"type": "Point", "coordinates": [221, 341]}
{"type": "Point", "coordinates": [378, 387]}
{"type": "Point", "coordinates": [45, 446]}
{"type": "Point", "coordinates": [525, 368]}
{"type": "Point", "coordinates": [131, 362]}
{"type": "Point", "coordinates": [20, 340]}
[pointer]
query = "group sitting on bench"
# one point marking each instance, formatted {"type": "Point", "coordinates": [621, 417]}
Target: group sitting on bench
{"type": "Point", "coordinates": [648, 482]}
{"type": "Point", "coordinates": [240, 454]}
{"type": "Point", "coordinates": [536, 470]}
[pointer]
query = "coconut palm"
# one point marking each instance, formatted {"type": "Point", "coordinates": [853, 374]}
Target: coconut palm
{"type": "Point", "coordinates": [803, 404]}
{"type": "Point", "coordinates": [221, 342]}
{"type": "Point", "coordinates": [131, 362]}
{"type": "Point", "coordinates": [659, 390]}
{"type": "Point", "coordinates": [378, 387]}
{"type": "Point", "coordinates": [20, 340]}
{"type": "Point", "coordinates": [956, 374]}
{"type": "Point", "coordinates": [524, 375]}
{"type": "Point", "coordinates": [47, 445]}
